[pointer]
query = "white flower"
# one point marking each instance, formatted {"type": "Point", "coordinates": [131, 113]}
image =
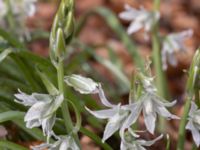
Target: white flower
{"type": "Point", "coordinates": [151, 105]}
{"type": "Point", "coordinates": [116, 115]}
{"type": "Point", "coordinates": [131, 143]}
{"type": "Point", "coordinates": [42, 111]}
{"type": "Point", "coordinates": [63, 143]}
{"type": "Point", "coordinates": [172, 44]}
{"type": "Point", "coordinates": [194, 123]}
{"type": "Point", "coordinates": [139, 18]}
{"type": "Point", "coordinates": [82, 84]}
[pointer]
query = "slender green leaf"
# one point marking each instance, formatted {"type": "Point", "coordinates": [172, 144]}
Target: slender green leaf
{"type": "Point", "coordinates": [11, 145]}
{"type": "Point", "coordinates": [10, 115]}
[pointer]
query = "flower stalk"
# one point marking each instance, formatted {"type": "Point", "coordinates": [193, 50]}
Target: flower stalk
{"type": "Point", "coordinates": [160, 76]}
{"type": "Point", "coordinates": [61, 35]}
{"type": "Point", "coordinates": [190, 92]}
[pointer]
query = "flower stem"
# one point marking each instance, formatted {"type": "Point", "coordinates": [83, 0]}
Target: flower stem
{"type": "Point", "coordinates": [160, 76]}
{"type": "Point", "coordinates": [64, 107]}
{"type": "Point", "coordinates": [181, 135]}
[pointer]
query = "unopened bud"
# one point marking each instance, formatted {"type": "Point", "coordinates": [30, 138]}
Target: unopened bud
{"type": "Point", "coordinates": [62, 30]}
{"type": "Point", "coordinates": [82, 84]}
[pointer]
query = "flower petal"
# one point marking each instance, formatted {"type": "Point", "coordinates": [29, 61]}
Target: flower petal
{"type": "Point", "coordinates": [103, 97]}
{"type": "Point", "coordinates": [149, 143]}
{"type": "Point", "coordinates": [35, 112]}
{"type": "Point", "coordinates": [165, 113]}
{"type": "Point", "coordinates": [103, 114]}
{"type": "Point", "coordinates": [26, 100]}
{"type": "Point", "coordinates": [134, 27]}
{"type": "Point", "coordinates": [149, 120]}
{"type": "Point", "coordinates": [193, 109]}
{"type": "Point", "coordinates": [195, 133]}
{"type": "Point", "coordinates": [163, 102]}
{"type": "Point", "coordinates": [135, 109]}
{"type": "Point", "coordinates": [110, 129]}
{"type": "Point", "coordinates": [129, 14]}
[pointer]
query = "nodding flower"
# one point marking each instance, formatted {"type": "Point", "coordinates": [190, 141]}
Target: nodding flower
{"type": "Point", "coordinates": [139, 19]}
{"type": "Point", "coordinates": [172, 44]}
{"type": "Point", "coordinates": [42, 111]}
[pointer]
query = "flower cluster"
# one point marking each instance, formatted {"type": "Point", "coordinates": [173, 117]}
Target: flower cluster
{"type": "Point", "coordinates": [42, 112]}
{"type": "Point", "coordinates": [122, 117]}
{"type": "Point", "coordinates": [171, 44]}
{"type": "Point", "coordinates": [20, 10]}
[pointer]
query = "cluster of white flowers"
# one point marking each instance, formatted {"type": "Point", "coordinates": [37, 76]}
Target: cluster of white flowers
{"type": "Point", "coordinates": [20, 10]}
{"type": "Point", "coordinates": [122, 117]}
{"type": "Point", "coordinates": [42, 112]}
{"type": "Point", "coordinates": [172, 43]}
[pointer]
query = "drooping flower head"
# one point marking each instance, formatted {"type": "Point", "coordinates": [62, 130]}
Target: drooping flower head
{"type": "Point", "coordinates": [194, 123]}
{"type": "Point", "coordinates": [82, 84]}
{"type": "Point", "coordinates": [115, 114]}
{"type": "Point", "coordinates": [172, 44]}
{"type": "Point", "coordinates": [139, 18]}
{"type": "Point", "coordinates": [42, 111]}
{"type": "Point", "coordinates": [151, 105]}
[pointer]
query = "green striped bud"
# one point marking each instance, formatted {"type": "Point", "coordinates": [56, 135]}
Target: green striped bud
{"type": "Point", "coordinates": [62, 31]}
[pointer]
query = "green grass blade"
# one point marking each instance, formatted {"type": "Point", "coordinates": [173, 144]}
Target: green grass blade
{"type": "Point", "coordinates": [11, 146]}
{"type": "Point", "coordinates": [10, 115]}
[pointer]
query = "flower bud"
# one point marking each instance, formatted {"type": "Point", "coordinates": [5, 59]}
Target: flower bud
{"type": "Point", "coordinates": [62, 30]}
{"type": "Point", "coordinates": [82, 84]}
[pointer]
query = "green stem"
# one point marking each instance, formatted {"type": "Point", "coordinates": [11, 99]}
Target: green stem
{"type": "Point", "coordinates": [160, 76]}
{"type": "Point", "coordinates": [181, 135]}
{"type": "Point", "coordinates": [64, 107]}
